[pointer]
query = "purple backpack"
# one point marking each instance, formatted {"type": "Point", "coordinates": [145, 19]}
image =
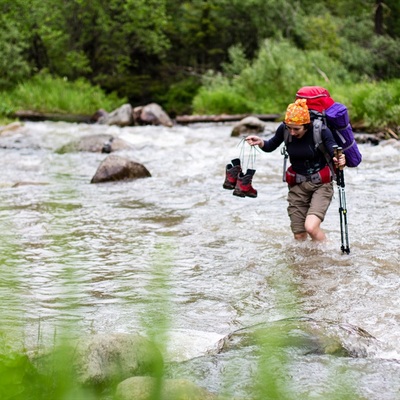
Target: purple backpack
{"type": "Point", "coordinates": [336, 117]}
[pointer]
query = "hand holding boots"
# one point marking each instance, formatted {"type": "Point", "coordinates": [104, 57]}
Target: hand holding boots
{"type": "Point", "coordinates": [254, 140]}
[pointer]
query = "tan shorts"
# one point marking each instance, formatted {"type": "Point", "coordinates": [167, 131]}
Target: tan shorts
{"type": "Point", "coordinates": [308, 198]}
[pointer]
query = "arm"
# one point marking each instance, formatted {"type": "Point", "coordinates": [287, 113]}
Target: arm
{"type": "Point", "coordinates": [267, 145]}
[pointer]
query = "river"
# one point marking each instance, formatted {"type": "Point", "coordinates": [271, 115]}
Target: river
{"type": "Point", "coordinates": [178, 251]}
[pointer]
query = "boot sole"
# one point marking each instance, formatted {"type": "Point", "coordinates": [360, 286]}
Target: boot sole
{"type": "Point", "coordinates": [244, 194]}
{"type": "Point", "coordinates": [238, 193]}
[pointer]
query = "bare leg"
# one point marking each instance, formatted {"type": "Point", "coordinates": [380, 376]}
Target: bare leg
{"type": "Point", "coordinates": [312, 226]}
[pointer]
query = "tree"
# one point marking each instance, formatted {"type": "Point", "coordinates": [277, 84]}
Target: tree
{"type": "Point", "coordinates": [13, 65]}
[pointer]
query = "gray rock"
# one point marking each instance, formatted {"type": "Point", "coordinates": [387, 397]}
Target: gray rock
{"type": "Point", "coordinates": [17, 136]}
{"type": "Point", "coordinates": [116, 168]}
{"type": "Point", "coordinates": [108, 358]}
{"type": "Point", "coordinates": [304, 336]}
{"type": "Point", "coordinates": [13, 126]}
{"type": "Point", "coordinates": [122, 116]}
{"type": "Point", "coordinates": [151, 114]}
{"type": "Point", "coordinates": [248, 125]}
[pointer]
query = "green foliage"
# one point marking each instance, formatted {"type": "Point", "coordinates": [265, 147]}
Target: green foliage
{"type": "Point", "coordinates": [385, 56]}
{"type": "Point", "coordinates": [369, 55]}
{"type": "Point", "coordinates": [374, 104]}
{"type": "Point", "coordinates": [392, 12]}
{"type": "Point", "coordinates": [13, 66]}
{"type": "Point", "coordinates": [218, 98]}
{"type": "Point", "coordinates": [17, 374]}
{"type": "Point", "coordinates": [237, 62]}
{"type": "Point", "coordinates": [269, 83]}
{"type": "Point", "coordinates": [257, 20]}
{"type": "Point", "coordinates": [144, 50]}
{"type": "Point", "coordinates": [179, 95]}
{"type": "Point", "coordinates": [44, 93]}
{"type": "Point", "coordinates": [85, 39]}
{"type": "Point", "coordinates": [219, 101]}
{"type": "Point", "coordinates": [320, 32]}
{"type": "Point", "coordinates": [198, 29]}
{"type": "Point", "coordinates": [45, 377]}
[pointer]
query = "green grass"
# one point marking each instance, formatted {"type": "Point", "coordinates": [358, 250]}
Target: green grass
{"type": "Point", "coordinates": [47, 94]}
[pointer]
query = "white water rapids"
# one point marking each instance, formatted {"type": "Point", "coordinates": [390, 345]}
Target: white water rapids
{"type": "Point", "coordinates": [179, 251]}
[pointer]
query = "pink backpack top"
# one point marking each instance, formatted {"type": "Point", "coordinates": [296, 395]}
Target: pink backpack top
{"type": "Point", "coordinates": [318, 98]}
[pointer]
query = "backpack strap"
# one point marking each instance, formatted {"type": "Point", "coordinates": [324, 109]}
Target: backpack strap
{"type": "Point", "coordinates": [318, 125]}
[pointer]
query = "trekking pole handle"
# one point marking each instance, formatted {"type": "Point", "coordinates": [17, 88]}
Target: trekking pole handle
{"type": "Point", "coordinates": [338, 151]}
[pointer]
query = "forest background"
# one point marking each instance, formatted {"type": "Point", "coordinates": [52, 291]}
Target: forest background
{"type": "Point", "coordinates": [200, 56]}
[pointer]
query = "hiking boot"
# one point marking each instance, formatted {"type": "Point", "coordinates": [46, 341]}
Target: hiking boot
{"type": "Point", "coordinates": [231, 174]}
{"type": "Point", "coordinates": [243, 186]}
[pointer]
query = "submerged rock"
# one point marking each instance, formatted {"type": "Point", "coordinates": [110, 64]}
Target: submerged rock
{"type": "Point", "coordinates": [304, 336]}
{"type": "Point", "coordinates": [95, 144]}
{"type": "Point", "coordinates": [107, 358]}
{"type": "Point", "coordinates": [26, 183]}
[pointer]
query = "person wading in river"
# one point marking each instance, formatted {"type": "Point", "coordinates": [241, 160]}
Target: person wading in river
{"type": "Point", "coordinates": [309, 177]}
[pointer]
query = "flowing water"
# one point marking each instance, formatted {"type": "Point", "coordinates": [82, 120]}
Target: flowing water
{"type": "Point", "coordinates": [177, 250]}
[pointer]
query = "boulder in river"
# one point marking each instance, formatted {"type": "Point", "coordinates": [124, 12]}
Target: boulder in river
{"type": "Point", "coordinates": [13, 126]}
{"type": "Point", "coordinates": [122, 116]}
{"type": "Point", "coordinates": [248, 125]}
{"type": "Point", "coordinates": [304, 336]}
{"type": "Point", "coordinates": [151, 114]}
{"type": "Point", "coordinates": [116, 168]}
{"type": "Point", "coordinates": [106, 358]}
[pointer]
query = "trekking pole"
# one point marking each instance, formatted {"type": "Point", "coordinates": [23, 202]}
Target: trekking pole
{"type": "Point", "coordinates": [342, 204]}
{"type": "Point", "coordinates": [285, 158]}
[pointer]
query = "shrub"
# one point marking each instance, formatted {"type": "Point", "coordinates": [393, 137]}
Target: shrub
{"type": "Point", "coordinates": [178, 98]}
{"type": "Point", "coordinates": [376, 104]}
{"type": "Point", "coordinates": [270, 82]}
{"type": "Point", "coordinates": [44, 93]}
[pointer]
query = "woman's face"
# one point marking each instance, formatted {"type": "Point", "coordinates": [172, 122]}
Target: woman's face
{"type": "Point", "coordinates": [297, 131]}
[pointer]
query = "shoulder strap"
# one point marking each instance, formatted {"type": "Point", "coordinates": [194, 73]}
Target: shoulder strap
{"type": "Point", "coordinates": [286, 136]}
{"type": "Point", "coordinates": [317, 136]}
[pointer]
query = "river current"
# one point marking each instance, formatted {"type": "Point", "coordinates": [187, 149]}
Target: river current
{"type": "Point", "coordinates": [178, 251]}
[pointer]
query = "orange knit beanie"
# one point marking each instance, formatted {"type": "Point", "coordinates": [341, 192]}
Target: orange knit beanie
{"type": "Point", "coordinates": [297, 113]}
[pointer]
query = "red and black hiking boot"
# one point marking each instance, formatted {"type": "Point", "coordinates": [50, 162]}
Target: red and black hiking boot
{"type": "Point", "coordinates": [243, 186]}
{"type": "Point", "coordinates": [231, 174]}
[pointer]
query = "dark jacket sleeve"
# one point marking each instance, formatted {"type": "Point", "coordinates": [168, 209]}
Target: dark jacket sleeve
{"type": "Point", "coordinates": [276, 140]}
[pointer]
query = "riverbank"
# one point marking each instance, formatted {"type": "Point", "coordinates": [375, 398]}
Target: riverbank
{"type": "Point", "coordinates": [45, 98]}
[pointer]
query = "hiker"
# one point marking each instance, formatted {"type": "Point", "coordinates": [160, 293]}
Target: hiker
{"type": "Point", "coordinates": [309, 177]}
